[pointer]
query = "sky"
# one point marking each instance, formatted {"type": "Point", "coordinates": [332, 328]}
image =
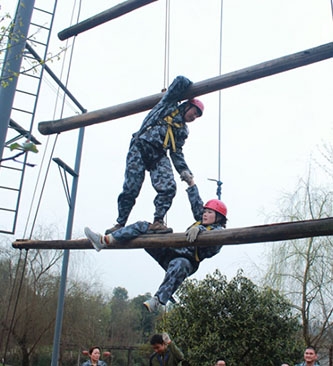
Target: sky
{"type": "Point", "coordinates": [271, 129]}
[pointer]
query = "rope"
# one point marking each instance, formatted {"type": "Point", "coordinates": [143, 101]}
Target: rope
{"type": "Point", "coordinates": [56, 138]}
{"type": "Point", "coordinates": [218, 181]}
{"type": "Point", "coordinates": [33, 198]}
{"type": "Point", "coordinates": [167, 45]}
{"type": "Point", "coordinates": [220, 99]}
{"type": "Point", "coordinates": [16, 301]}
{"type": "Point", "coordinates": [166, 55]}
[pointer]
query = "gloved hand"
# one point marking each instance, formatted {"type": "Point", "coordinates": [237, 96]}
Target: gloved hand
{"type": "Point", "coordinates": [166, 338]}
{"type": "Point", "coordinates": [192, 233]}
{"type": "Point", "coordinates": [186, 176]}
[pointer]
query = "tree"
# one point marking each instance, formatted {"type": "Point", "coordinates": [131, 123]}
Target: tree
{"type": "Point", "coordinates": [246, 324]}
{"type": "Point", "coordinates": [29, 297]}
{"type": "Point", "coordinates": [302, 269]}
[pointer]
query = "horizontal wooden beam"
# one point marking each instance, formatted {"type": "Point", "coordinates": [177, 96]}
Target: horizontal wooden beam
{"type": "Point", "coordinates": [103, 17]}
{"type": "Point", "coordinates": [247, 235]}
{"type": "Point", "coordinates": [258, 71]}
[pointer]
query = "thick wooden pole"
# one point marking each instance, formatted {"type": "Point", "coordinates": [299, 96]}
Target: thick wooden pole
{"type": "Point", "coordinates": [103, 17]}
{"type": "Point", "coordinates": [253, 234]}
{"type": "Point", "coordinates": [203, 87]}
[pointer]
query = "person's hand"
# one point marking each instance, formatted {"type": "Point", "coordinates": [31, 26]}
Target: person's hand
{"type": "Point", "coordinates": [192, 233]}
{"type": "Point", "coordinates": [166, 338]}
{"type": "Point", "coordinates": [187, 177]}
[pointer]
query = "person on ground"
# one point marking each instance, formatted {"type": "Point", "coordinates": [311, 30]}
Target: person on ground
{"type": "Point", "coordinates": [166, 352]}
{"type": "Point", "coordinates": [178, 263]}
{"type": "Point", "coordinates": [163, 130]}
{"type": "Point", "coordinates": [94, 357]}
{"type": "Point", "coordinates": [310, 357]}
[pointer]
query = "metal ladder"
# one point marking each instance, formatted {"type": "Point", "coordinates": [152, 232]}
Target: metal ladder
{"type": "Point", "coordinates": [14, 162]}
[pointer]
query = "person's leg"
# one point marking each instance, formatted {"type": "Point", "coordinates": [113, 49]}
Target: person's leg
{"type": "Point", "coordinates": [178, 270]}
{"type": "Point", "coordinates": [134, 177]}
{"type": "Point", "coordinates": [129, 232]}
{"type": "Point", "coordinates": [163, 181]}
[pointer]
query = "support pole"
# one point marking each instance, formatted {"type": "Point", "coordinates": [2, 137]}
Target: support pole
{"type": "Point", "coordinates": [103, 17]}
{"type": "Point", "coordinates": [258, 71]}
{"type": "Point", "coordinates": [247, 235]}
{"type": "Point", "coordinates": [65, 261]}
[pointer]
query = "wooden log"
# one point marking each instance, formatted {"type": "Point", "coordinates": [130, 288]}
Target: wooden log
{"type": "Point", "coordinates": [203, 87]}
{"type": "Point", "coordinates": [103, 17]}
{"type": "Point", "coordinates": [247, 235]}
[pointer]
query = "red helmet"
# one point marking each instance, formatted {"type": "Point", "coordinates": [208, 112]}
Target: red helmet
{"type": "Point", "coordinates": [217, 206]}
{"type": "Point", "coordinates": [197, 103]}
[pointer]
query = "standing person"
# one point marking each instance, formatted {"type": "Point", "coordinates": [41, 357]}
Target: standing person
{"type": "Point", "coordinates": [164, 129]}
{"type": "Point", "coordinates": [94, 357]}
{"type": "Point", "coordinates": [166, 353]}
{"type": "Point", "coordinates": [179, 263]}
{"type": "Point", "coordinates": [310, 357]}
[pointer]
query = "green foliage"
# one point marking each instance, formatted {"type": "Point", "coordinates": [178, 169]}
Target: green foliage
{"type": "Point", "coordinates": [246, 324]}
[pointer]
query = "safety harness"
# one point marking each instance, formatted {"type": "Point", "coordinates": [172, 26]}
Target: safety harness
{"type": "Point", "coordinates": [169, 134]}
{"type": "Point", "coordinates": [208, 227]}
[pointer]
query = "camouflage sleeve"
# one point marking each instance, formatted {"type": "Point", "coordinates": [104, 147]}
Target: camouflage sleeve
{"type": "Point", "coordinates": [176, 90]}
{"type": "Point", "coordinates": [195, 201]}
{"type": "Point", "coordinates": [178, 160]}
{"type": "Point", "coordinates": [168, 102]}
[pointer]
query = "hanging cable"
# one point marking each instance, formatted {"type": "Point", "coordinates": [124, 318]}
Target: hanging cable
{"type": "Point", "coordinates": [166, 45]}
{"type": "Point", "coordinates": [166, 54]}
{"type": "Point", "coordinates": [34, 194]}
{"type": "Point", "coordinates": [16, 302]}
{"type": "Point", "coordinates": [218, 180]}
{"type": "Point", "coordinates": [54, 114]}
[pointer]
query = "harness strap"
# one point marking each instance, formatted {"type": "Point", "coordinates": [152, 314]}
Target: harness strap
{"type": "Point", "coordinates": [169, 134]}
{"type": "Point", "coordinates": [196, 254]}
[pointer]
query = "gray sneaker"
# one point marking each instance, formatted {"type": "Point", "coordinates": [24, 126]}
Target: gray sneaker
{"type": "Point", "coordinates": [152, 304]}
{"type": "Point", "coordinates": [114, 228]}
{"type": "Point", "coordinates": [98, 241]}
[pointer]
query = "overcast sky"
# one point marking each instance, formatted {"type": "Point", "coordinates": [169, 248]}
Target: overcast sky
{"type": "Point", "coordinates": [270, 128]}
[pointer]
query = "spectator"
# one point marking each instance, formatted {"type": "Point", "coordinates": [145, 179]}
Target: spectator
{"type": "Point", "coordinates": [220, 362]}
{"type": "Point", "coordinates": [166, 353]}
{"type": "Point", "coordinates": [310, 357]}
{"type": "Point", "coordinates": [94, 357]}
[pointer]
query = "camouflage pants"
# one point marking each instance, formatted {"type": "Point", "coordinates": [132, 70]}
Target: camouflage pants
{"type": "Point", "coordinates": [178, 263]}
{"type": "Point", "coordinates": [177, 269]}
{"type": "Point", "coordinates": [162, 179]}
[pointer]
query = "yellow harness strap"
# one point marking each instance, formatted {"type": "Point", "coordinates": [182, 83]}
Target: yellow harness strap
{"type": "Point", "coordinates": [169, 135]}
{"type": "Point", "coordinates": [196, 255]}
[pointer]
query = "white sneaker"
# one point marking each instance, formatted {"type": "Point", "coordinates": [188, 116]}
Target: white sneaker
{"type": "Point", "coordinates": [152, 304]}
{"type": "Point", "coordinates": [98, 241]}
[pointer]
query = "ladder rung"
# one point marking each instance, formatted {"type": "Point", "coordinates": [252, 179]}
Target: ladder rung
{"type": "Point", "coordinates": [40, 26]}
{"type": "Point", "coordinates": [41, 43]}
{"type": "Point", "coordinates": [21, 110]}
{"type": "Point", "coordinates": [10, 167]}
{"type": "Point", "coordinates": [29, 75]}
{"type": "Point", "coordinates": [7, 209]}
{"type": "Point", "coordinates": [25, 92]}
{"type": "Point", "coordinates": [9, 188]}
{"type": "Point", "coordinates": [43, 11]}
